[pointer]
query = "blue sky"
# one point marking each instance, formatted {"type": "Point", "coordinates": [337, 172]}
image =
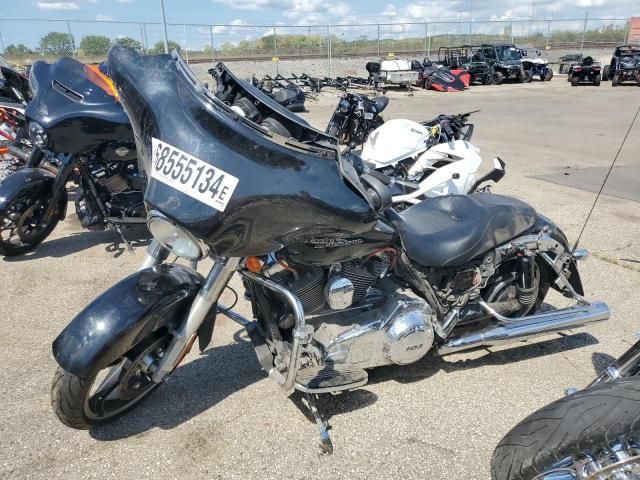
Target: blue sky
{"type": "Point", "coordinates": [239, 13]}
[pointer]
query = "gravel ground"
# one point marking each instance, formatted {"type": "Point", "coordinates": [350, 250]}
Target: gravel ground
{"type": "Point", "coordinates": [220, 417]}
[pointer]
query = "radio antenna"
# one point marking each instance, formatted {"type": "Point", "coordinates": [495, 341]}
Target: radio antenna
{"type": "Point", "coordinates": [605, 179]}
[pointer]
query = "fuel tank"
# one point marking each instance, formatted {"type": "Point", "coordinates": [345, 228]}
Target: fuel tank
{"type": "Point", "coordinates": [78, 112]}
{"type": "Point", "coordinates": [257, 191]}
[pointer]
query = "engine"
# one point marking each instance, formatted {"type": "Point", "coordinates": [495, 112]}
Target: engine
{"type": "Point", "coordinates": [119, 186]}
{"type": "Point", "coordinates": [360, 317]}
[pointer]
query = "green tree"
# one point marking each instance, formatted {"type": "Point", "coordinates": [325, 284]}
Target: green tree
{"type": "Point", "coordinates": [95, 44]}
{"type": "Point", "coordinates": [17, 50]}
{"type": "Point", "coordinates": [129, 42]}
{"type": "Point", "coordinates": [56, 43]}
{"type": "Point", "coordinates": [159, 47]}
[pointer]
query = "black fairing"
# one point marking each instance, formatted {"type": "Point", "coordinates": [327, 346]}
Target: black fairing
{"type": "Point", "coordinates": [79, 116]}
{"type": "Point", "coordinates": [123, 315]}
{"type": "Point", "coordinates": [287, 189]}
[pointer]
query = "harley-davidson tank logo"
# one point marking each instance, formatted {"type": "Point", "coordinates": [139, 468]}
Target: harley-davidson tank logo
{"type": "Point", "coordinates": [324, 242]}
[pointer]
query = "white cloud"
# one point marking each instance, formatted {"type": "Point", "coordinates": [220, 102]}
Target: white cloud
{"type": "Point", "coordinates": [125, 1]}
{"type": "Point", "coordinates": [58, 5]}
{"type": "Point", "coordinates": [103, 18]}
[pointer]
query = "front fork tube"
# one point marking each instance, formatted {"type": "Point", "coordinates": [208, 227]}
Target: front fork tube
{"type": "Point", "coordinates": [156, 254]}
{"type": "Point", "coordinates": [60, 183]}
{"type": "Point", "coordinates": [184, 334]}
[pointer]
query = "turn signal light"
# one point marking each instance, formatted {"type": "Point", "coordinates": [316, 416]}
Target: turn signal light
{"type": "Point", "coordinates": [253, 264]}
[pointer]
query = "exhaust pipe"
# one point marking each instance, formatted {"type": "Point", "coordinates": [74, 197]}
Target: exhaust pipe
{"type": "Point", "coordinates": [511, 330]}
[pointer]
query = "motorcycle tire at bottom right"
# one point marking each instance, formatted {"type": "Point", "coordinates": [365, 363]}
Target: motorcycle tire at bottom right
{"type": "Point", "coordinates": [594, 433]}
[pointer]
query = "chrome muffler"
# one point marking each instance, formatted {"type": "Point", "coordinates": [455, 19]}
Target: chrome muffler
{"type": "Point", "coordinates": [510, 330]}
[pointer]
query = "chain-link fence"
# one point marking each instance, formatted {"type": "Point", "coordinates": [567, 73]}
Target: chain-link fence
{"type": "Point", "coordinates": [314, 49]}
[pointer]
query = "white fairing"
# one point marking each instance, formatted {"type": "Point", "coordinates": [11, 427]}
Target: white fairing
{"type": "Point", "coordinates": [394, 141]}
{"type": "Point", "coordinates": [457, 177]}
{"type": "Point", "coordinates": [395, 65]}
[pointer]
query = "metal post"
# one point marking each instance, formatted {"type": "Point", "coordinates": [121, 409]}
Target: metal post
{"type": "Point", "coordinates": [186, 43]}
{"type": "Point", "coordinates": [146, 40]}
{"type": "Point", "coordinates": [429, 49]}
{"type": "Point", "coordinates": [329, 46]}
{"type": "Point", "coordinates": [625, 40]}
{"type": "Point", "coordinates": [164, 25]}
{"type": "Point", "coordinates": [378, 38]}
{"type": "Point", "coordinates": [426, 36]}
{"type": "Point", "coordinates": [275, 46]}
{"type": "Point", "coordinates": [213, 48]}
{"type": "Point", "coordinates": [141, 38]}
{"type": "Point", "coordinates": [584, 30]}
{"type": "Point", "coordinates": [470, 30]}
{"type": "Point", "coordinates": [1, 42]}
{"type": "Point", "coordinates": [511, 32]}
{"type": "Point", "coordinates": [73, 43]}
{"type": "Point", "coordinates": [548, 31]}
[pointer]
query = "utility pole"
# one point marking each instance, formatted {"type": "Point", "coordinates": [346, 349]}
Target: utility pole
{"type": "Point", "coordinates": [164, 25]}
{"type": "Point", "coordinates": [584, 30]}
{"type": "Point", "coordinates": [73, 43]}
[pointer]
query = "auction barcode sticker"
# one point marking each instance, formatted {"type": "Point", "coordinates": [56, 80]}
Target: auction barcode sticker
{"type": "Point", "coordinates": [191, 176]}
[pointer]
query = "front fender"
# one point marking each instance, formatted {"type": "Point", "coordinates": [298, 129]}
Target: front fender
{"type": "Point", "coordinates": [557, 234]}
{"type": "Point", "coordinates": [123, 315]}
{"type": "Point", "coordinates": [37, 179]}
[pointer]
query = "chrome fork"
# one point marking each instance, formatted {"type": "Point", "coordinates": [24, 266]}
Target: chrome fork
{"type": "Point", "coordinates": [185, 334]}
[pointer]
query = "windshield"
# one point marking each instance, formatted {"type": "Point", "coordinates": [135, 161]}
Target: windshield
{"type": "Point", "coordinates": [4, 63]}
{"type": "Point", "coordinates": [507, 53]}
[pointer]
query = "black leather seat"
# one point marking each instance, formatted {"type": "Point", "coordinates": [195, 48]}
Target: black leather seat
{"type": "Point", "coordinates": [453, 229]}
{"type": "Point", "coordinates": [380, 103]}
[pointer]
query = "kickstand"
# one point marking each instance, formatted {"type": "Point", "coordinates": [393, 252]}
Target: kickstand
{"type": "Point", "coordinates": [325, 439]}
{"type": "Point", "coordinates": [126, 242]}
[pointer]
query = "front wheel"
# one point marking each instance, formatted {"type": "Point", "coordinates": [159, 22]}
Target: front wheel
{"type": "Point", "coordinates": [594, 434]}
{"type": "Point", "coordinates": [575, 81]}
{"type": "Point", "coordinates": [596, 80]}
{"type": "Point", "coordinates": [549, 75]}
{"type": "Point", "coordinates": [499, 78]}
{"type": "Point", "coordinates": [80, 402]}
{"type": "Point", "coordinates": [23, 225]}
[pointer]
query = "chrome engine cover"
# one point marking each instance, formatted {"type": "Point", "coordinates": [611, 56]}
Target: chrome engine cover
{"type": "Point", "coordinates": [401, 332]}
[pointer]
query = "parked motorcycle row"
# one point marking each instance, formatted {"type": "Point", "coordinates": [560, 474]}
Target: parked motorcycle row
{"type": "Point", "coordinates": [367, 244]}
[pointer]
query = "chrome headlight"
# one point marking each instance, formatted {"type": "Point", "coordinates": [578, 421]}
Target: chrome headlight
{"type": "Point", "coordinates": [38, 134]}
{"type": "Point", "coordinates": [174, 238]}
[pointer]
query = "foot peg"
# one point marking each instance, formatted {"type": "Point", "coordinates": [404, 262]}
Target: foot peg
{"type": "Point", "coordinates": [328, 379]}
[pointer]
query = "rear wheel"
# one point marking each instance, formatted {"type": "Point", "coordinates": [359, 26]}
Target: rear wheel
{"type": "Point", "coordinates": [575, 81]}
{"type": "Point", "coordinates": [615, 80]}
{"type": "Point", "coordinates": [23, 226]}
{"type": "Point", "coordinates": [80, 402]}
{"type": "Point", "coordinates": [548, 75]}
{"type": "Point", "coordinates": [498, 78]}
{"type": "Point", "coordinates": [596, 80]}
{"type": "Point", "coordinates": [592, 434]}
{"type": "Point", "coordinates": [605, 72]}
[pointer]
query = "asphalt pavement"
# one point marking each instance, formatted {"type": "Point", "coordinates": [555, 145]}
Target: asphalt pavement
{"type": "Point", "coordinates": [220, 417]}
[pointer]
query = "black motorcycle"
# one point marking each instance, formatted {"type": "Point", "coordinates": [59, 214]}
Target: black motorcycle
{"type": "Point", "coordinates": [76, 118]}
{"type": "Point", "coordinates": [14, 84]}
{"type": "Point", "coordinates": [593, 433]}
{"type": "Point", "coordinates": [355, 117]}
{"type": "Point", "coordinates": [339, 282]}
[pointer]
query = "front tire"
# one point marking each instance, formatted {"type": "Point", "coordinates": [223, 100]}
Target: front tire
{"type": "Point", "coordinates": [575, 81]}
{"type": "Point", "coordinates": [549, 75]}
{"type": "Point", "coordinates": [122, 385]}
{"type": "Point", "coordinates": [582, 422]}
{"type": "Point", "coordinates": [499, 78]}
{"type": "Point", "coordinates": [21, 226]}
{"type": "Point", "coordinates": [596, 80]}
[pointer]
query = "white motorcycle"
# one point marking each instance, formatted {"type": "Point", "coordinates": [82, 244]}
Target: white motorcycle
{"type": "Point", "coordinates": [428, 159]}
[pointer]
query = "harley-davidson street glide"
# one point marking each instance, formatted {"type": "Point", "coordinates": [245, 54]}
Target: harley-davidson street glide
{"type": "Point", "coordinates": [75, 119]}
{"type": "Point", "coordinates": [339, 282]}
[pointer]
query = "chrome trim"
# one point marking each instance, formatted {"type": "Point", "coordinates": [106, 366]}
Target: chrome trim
{"type": "Point", "coordinates": [156, 215]}
{"type": "Point", "coordinates": [528, 327]}
{"type": "Point", "coordinates": [208, 295]}
{"type": "Point", "coordinates": [580, 254]}
{"type": "Point", "coordinates": [301, 332]}
{"type": "Point", "coordinates": [622, 367]}
{"type": "Point", "coordinates": [155, 255]}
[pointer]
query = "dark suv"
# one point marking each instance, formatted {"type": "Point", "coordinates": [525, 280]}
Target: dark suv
{"type": "Point", "coordinates": [624, 66]}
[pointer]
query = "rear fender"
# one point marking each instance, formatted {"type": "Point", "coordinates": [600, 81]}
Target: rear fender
{"type": "Point", "coordinates": [557, 234]}
{"type": "Point", "coordinates": [118, 319]}
{"type": "Point", "coordinates": [37, 179]}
